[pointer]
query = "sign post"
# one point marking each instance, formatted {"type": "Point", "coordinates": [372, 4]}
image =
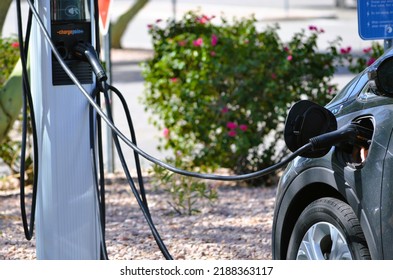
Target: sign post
{"type": "Point", "coordinates": [375, 20]}
{"type": "Point", "coordinates": [104, 7]}
{"type": "Point", "coordinates": [104, 11]}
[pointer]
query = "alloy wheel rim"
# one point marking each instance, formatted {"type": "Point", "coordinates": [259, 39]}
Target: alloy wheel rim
{"type": "Point", "coordinates": [323, 241]}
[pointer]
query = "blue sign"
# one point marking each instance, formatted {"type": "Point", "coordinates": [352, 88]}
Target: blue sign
{"type": "Point", "coordinates": [375, 19]}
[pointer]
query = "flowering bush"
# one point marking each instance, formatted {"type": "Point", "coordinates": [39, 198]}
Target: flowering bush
{"type": "Point", "coordinates": [221, 91]}
{"type": "Point", "coordinates": [357, 63]}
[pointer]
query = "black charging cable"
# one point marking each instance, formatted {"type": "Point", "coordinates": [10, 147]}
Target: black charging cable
{"type": "Point", "coordinates": [142, 203]}
{"type": "Point", "coordinates": [27, 103]}
{"type": "Point", "coordinates": [133, 139]}
{"type": "Point", "coordinates": [98, 172]}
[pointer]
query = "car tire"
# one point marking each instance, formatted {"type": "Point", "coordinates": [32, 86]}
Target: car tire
{"type": "Point", "coordinates": [327, 229]}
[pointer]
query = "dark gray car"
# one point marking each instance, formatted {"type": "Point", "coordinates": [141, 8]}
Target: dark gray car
{"type": "Point", "coordinates": [339, 206]}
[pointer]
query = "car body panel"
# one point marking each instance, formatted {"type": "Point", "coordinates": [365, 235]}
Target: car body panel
{"type": "Point", "coordinates": [367, 187]}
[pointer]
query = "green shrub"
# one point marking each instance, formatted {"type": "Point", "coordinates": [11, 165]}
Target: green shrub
{"type": "Point", "coordinates": [221, 91]}
{"type": "Point", "coordinates": [187, 194]}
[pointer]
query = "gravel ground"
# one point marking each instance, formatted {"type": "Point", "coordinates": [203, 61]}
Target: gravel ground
{"type": "Point", "coordinates": [236, 226]}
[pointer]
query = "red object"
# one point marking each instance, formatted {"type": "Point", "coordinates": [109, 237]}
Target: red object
{"type": "Point", "coordinates": [103, 8]}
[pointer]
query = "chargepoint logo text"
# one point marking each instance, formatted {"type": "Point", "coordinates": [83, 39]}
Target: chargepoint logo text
{"type": "Point", "coordinates": [70, 32]}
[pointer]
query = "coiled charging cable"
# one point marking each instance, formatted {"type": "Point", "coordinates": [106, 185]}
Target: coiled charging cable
{"type": "Point", "coordinates": [27, 102]}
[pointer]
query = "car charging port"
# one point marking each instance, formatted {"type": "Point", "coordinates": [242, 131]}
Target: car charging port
{"type": "Point", "coordinates": [355, 153]}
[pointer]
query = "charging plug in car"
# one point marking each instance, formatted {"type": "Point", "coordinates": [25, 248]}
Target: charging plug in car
{"type": "Point", "coordinates": [352, 133]}
{"type": "Point", "coordinates": [308, 122]}
{"type": "Point", "coordinates": [86, 52]}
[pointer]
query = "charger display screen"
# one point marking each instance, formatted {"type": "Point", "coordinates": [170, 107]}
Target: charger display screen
{"type": "Point", "coordinates": [70, 10]}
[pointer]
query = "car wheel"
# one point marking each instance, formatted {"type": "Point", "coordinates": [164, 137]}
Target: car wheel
{"type": "Point", "coordinates": [327, 229]}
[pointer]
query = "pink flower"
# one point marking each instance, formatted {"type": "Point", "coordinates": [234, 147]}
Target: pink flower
{"type": "Point", "coordinates": [232, 133]}
{"type": "Point", "coordinates": [345, 50]}
{"type": "Point", "coordinates": [214, 40]}
{"type": "Point", "coordinates": [213, 53]}
{"type": "Point", "coordinates": [243, 127]}
{"type": "Point", "coordinates": [198, 42]}
{"type": "Point", "coordinates": [289, 57]}
{"type": "Point", "coordinates": [231, 125]}
{"type": "Point", "coordinates": [203, 19]}
{"type": "Point", "coordinates": [182, 43]}
{"type": "Point", "coordinates": [174, 80]}
{"type": "Point", "coordinates": [165, 132]}
{"type": "Point", "coordinates": [15, 45]}
{"type": "Point", "coordinates": [225, 110]}
{"type": "Point", "coordinates": [367, 50]}
{"type": "Point", "coordinates": [371, 61]}
{"type": "Point", "coordinates": [314, 28]}
{"type": "Point", "coordinates": [286, 49]}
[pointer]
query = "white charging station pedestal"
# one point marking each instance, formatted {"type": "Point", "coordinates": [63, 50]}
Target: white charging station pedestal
{"type": "Point", "coordinates": [67, 219]}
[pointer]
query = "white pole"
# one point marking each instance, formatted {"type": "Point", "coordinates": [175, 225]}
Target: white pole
{"type": "Point", "coordinates": [108, 63]}
{"type": "Point", "coordinates": [67, 223]}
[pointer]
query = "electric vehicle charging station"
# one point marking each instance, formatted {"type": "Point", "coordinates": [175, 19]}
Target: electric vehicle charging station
{"type": "Point", "coordinates": [67, 220]}
{"type": "Point", "coordinates": [70, 223]}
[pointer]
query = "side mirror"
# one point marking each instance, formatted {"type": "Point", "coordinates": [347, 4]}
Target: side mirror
{"type": "Point", "coordinates": [304, 121]}
{"type": "Point", "coordinates": [381, 77]}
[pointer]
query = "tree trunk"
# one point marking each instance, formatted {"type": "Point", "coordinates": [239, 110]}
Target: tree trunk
{"type": "Point", "coordinates": [119, 27]}
{"type": "Point", "coordinates": [4, 7]}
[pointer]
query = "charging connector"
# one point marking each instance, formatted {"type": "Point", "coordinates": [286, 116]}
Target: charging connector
{"type": "Point", "coordinates": [86, 51]}
{"type": "Point", "coordinates": [353, 133]}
